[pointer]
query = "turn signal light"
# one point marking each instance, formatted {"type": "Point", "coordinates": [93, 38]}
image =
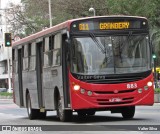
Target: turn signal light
{"type": "Point", "coordinates": [145, 87]}
{"type": "Point", "coordinates": [140, 90]}
{"type": "Point", "coordinates": [82, 91]}
{"type": "Point", "coordinates": [89, 93]}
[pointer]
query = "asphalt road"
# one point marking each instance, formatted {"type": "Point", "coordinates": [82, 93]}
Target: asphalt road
{"type": "Point", "coordinates": [12, 115]}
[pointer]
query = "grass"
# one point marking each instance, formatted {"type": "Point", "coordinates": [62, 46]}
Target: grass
{"type": "Point", "coordinates": [5, 94]}
{"type": "Point", "coordinates": [157, 90]}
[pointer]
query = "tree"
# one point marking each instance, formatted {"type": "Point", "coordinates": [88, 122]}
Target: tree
{"type": "Point", "coordinates": [18, 20]}
{"type": "Point", "coordinates": [80, 8]}
{"type": "Point", "coordinates": [32, 16]}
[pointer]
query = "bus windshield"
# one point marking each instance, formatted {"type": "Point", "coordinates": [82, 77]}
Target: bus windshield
{"type": "Point", "coordinates": [93, 55]}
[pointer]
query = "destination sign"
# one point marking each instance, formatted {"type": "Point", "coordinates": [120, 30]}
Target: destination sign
{"type": "Point", "coordinates": [114, 25]}
{"type": "Point", "coordinates": [108, 24]}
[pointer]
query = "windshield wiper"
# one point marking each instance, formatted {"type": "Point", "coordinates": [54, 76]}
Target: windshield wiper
{"type": "Point", "coordinates": [99, 45]}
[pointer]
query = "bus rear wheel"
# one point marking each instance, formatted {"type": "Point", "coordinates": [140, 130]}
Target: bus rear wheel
{"type": "Point", "coordinates": [32, 113]}
{"type": "Point", "coordinates": [128, 112]}
{"type": "Point", "coordinates": [62, 114]}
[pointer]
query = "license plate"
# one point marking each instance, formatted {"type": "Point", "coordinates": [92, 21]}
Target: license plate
{"type": "Point", "coordinates": [115, 100]}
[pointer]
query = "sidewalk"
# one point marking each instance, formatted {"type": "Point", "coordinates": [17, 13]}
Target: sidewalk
{"type": "Point", "coordinates": [6, 97]}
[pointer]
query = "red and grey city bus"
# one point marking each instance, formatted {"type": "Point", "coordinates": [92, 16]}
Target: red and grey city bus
{"type": "Point", "coordinates": [85, 65]}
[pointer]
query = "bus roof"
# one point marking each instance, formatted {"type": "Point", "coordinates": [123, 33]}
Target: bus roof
{"type": "Point", "coordinates": [64, 25]}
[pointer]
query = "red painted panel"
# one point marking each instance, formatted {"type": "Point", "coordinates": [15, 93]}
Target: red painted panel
{"type": "Point", "coordinates": [110, 95]}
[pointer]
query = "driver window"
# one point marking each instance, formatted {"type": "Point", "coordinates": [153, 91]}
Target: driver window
{"type": "Point", "coordinates": [88, 56]}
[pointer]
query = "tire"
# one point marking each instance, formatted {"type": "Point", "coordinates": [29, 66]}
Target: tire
{"type": "Point", "coordinates": [62, 114]}
{"type": "Point", "coordinates": [42, 115]}
{"type": "Point", "coordinates": [128, 112]}
{"type": "Point", "coordinates": [84, 113]}
{"type": "Point", "coordinates": [91, 113]}
{"type": "Point", "coordinates": [81, 113]}
{"type": "Point", "coordinates": [32, 113]}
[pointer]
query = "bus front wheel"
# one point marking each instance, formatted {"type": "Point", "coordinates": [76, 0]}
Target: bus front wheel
{"type": "Point", "coordinates": [91, 113]}
{"type": "Point", "coordinates": [32, 113]}
{"type": "Point", "coordinates": [62, 114]}
{"type": "Point", "coordinates": [128, 112]}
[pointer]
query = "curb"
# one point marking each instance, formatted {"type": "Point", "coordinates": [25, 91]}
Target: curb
{"type": "Point", "coordinates": [156, 104]}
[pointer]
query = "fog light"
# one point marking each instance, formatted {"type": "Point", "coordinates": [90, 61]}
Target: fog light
{"type": "Point", "coordinates": [82, 91]}
{"type": "Point", "coordinates": [149, 84]}
{"type": "Point", "coordinates": [145, 87]}
{"type": "Point", "coordinates": [76, 87]}
{"type": "Point", "coordinates": [140, 90]}
{"type": "Point", "coordinates": [89, 93]}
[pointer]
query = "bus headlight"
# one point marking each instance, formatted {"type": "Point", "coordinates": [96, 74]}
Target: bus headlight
{"type": "Point", "coordinates": [149, 84]}
{"type": "Point", "coordinates": [76, 87]}
{"type": "Point", "coordinates": [140, 90]}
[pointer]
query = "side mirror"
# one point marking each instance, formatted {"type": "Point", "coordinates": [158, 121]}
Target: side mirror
{"type": "Point", "coordinates": [67, 42]}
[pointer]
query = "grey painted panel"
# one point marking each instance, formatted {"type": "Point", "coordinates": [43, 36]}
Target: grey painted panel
{"type": "Point", "coordinates": [32, 86]}
{"type": "Point", "coordinates": [16, 89]}
{"type": "Point", "coordinates": [50, 81]}
{"type": "Point", "coordinates": [30, 83]}
{"type": "Point", "coordinates": [49, 99]}
{"type": "Point", "coordinates": [34, 98]}
{"type": "Point", "coordinates": [25, 85]}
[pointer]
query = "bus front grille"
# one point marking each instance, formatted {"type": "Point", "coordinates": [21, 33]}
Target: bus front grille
{"type": "Point", "coordinates": [112, 92]}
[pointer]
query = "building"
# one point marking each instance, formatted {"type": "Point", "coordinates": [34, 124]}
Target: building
{"type": "Point", "coordinates": [5, 52]}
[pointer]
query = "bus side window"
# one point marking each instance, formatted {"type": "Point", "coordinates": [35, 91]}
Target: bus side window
{"type": "Point", "coordinates": [25, 57]}
{"type": "Point", "coordinates": [46, 52]}
{"type": "Point", "coordinates": [32, 56]}
{"type": "Point", "coordinates": [51, 46]}
{"type": "Point", "coordinates": [15, 60]}
{"type": "Point", "coordinates": [48, 47]}
{"type": "Point", "coordinates": [57, 50]}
